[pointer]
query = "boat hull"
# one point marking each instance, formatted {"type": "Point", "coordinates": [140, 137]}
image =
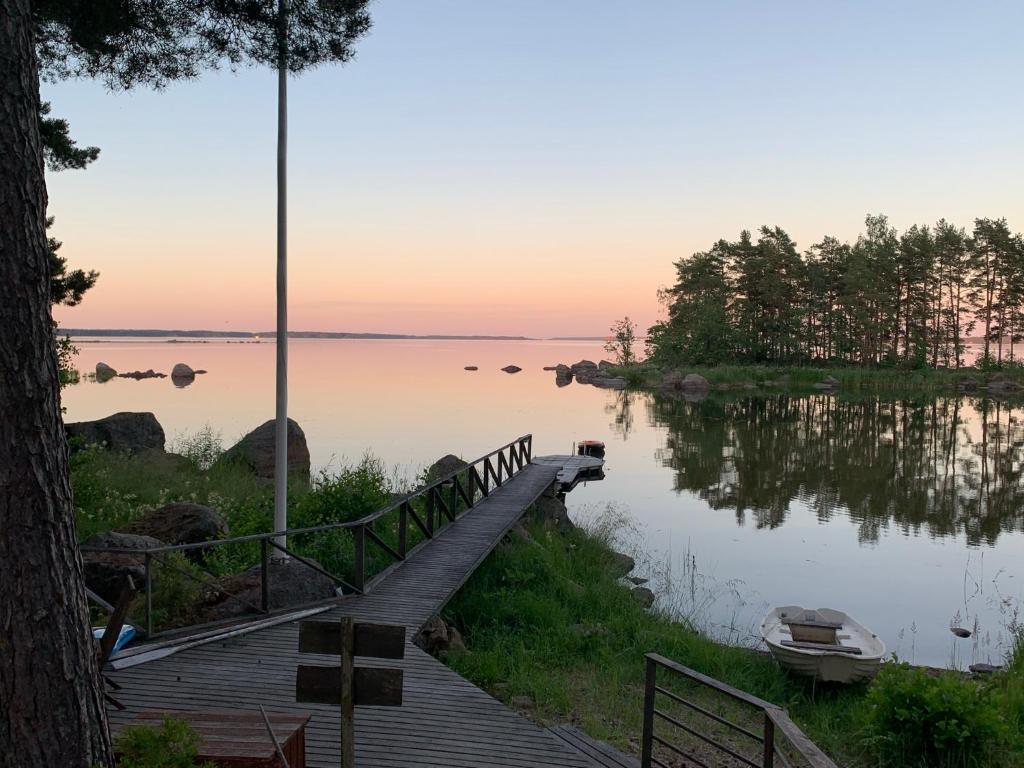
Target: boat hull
{"type": "Point", "coordinates": [825, 665]}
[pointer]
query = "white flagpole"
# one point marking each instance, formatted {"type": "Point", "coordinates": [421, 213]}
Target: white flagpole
{"type": "Point", "coordinates": [281, 415]}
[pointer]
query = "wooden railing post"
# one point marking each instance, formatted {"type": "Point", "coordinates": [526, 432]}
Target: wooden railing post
{"type": "Point", "coordinates": [430, 511]}
{"type": "Point", "coordinates": [149, 595]}
{"type": "Point", "coordinates": [264, 575]}
{"type": "Point", "coordinates": [403, 530]}
{"type": "Point", "coordinates": [488, 471]}
{"type": "Point", "coordinates": [359, 577]}
{"type": "Point", "coordinates": [529, 448]}
{"type": "Point", "coordinates": [647, 738]}
{"type": "Point", "coordinates": [769, 742]}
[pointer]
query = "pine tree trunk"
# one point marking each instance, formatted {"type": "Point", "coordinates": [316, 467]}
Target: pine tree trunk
{"type": "Point", "coordinates": [51, 705]}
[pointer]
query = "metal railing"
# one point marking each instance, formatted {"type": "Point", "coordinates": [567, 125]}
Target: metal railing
{"type": "Point", "coordinates": [797, 749]}
{"type": "Point", "coordinates": [395, 532]}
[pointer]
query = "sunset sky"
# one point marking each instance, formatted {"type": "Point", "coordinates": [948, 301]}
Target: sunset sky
{"type": "Point", "coordinates": [535, 167]}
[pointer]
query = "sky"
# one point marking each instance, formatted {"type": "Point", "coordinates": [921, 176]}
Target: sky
{"type": "Point", "coordinates": [535, 167]}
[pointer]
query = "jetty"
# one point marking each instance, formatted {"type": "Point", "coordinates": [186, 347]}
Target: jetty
{"type": "Point", "coordinates": [444, 720]}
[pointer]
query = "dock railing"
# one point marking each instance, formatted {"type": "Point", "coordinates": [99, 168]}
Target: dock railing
{"type": "Point", "coordinates": [355, 554]}
{"type": "Point", "coordinates": [777, 742]}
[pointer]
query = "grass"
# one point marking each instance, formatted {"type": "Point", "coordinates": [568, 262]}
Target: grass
{"type": "Point", "coordinates": [552, 630]}
{"type": "Point", "coordinates": [113, 489]}
{"type": "Point", "coordinates": [647, 375]}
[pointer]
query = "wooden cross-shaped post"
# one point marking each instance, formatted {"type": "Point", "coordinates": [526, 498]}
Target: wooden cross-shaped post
{"type": "Point", "coordinates": [349, 686]}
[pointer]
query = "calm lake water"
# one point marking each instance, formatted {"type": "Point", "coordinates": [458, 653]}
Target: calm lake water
{"type": "Point", "coordinates": [906, 513]}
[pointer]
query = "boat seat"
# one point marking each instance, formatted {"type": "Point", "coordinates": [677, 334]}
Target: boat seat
{"type": "Point", "coordinates": [819, 624]}
{"type": "Point", "coordinates": [823, 647]}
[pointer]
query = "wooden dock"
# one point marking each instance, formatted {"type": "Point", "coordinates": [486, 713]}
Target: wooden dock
{"type": "Point", "coordinates": [444, 721]}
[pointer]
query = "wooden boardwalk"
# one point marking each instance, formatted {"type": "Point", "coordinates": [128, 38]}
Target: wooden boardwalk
{"type": "Point", "coordinates": [444, 720]}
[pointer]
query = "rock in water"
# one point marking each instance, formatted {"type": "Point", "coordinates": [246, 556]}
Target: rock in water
{"type": "Point", "coordinates": [960, 632]}
{"type": "Point", "coordinates": [471, 368]}
{"type": "Point", "coordinates": [182, 375]}
{"type": "Point", "coordinates": [125, 431]}
{"type": "Point", "coordinates": [622, 563]}
{"type": "Point", "coordinates": [550, 368]}
{"type": "Point", "coordinates": [605, 365]}
{"type": "Point", "coordinates": [105, 571]}
{"type": "Point", "coordinates": [511, 369]}
{"type": "Point", "coordinates": [256, 451]}
{"type": "Point", "coordinates": [104, 372]}
{"type": "Point", "coordinates": [180, 523]}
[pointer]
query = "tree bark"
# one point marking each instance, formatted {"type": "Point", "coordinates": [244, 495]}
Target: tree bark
{"type": "Point", "coordinates": [51, 703]}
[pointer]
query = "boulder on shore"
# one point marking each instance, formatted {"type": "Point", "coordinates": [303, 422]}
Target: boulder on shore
{"type": "Point", "coordinates": [827, 384]}
{"type": "Point", "coordinates": [605, 365]}
{"type": "Point", "coordinates": [622, 563]}
{"type": "Point", "coordinates": [105, 572]}
{"type": "Point", "coordinates": [612, 382]}
{"type": "Point", "coordinates": [1001, 384]}
{"type": "Point", "coordinates": [104, 372]}
{"type": "Point", "coordinates": [256, 451]}
{"type": "Point", "coordinates": [291, 583]}
{"type": "Point", "coordinates": [511, 369]}
{"type": "Point", "coordinates": [439, 638]}
{"type": "Point", "coordinates": [126, 431]}
{"type": "Point", "coordinates": [582, 365]}
{"type": "Point", "coordinates": [551, 512]}
{"type": "Point", "coordinates": [180, 523]}
{"type": "Point", "coordinates": [642, 595]}
{"type": "Point", "coordinates": [690, 385]}
{"type": "Point", "coordinates": [444, 467]}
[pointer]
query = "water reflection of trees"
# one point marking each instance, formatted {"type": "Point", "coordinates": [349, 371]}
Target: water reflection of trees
{"type": "Point", "coordinates": [944, 466]}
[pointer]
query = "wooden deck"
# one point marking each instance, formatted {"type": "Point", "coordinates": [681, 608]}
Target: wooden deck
{"type": "Point", "coordinates": [444, 721]}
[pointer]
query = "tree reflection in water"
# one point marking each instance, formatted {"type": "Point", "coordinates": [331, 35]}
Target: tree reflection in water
{"type": "Point", "coordinates": [941, 466]}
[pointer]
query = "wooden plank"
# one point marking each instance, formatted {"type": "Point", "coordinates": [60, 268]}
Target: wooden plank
{"type": "Point", "coordinates": [823, 647]}
{"type": "Point", "coordinates": [820, 624]}
{"type": "Point", "coordinates": [380, 641]}
{"type": "Point", "coordinates": [371, 686]}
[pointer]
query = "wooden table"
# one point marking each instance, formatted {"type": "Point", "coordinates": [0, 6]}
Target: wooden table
{"type": "Point", "coordinates": [238, 738]}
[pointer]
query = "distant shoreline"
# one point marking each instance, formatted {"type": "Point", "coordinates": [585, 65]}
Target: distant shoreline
{"type": "Point", "coordinates": [270, 335]}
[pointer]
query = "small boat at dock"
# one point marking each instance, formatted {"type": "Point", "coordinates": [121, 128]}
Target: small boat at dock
{"type": "Point", "coordinates": [823, 643]}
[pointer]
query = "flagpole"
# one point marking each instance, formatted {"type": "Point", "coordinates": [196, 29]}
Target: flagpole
{"type": "Point", "coordinates": [281, 411]}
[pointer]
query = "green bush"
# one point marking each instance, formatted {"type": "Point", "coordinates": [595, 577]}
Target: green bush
{"type": "Point", "coordinates": [915, 718]}
{"type": "Point", "coordinates": [173, 744]}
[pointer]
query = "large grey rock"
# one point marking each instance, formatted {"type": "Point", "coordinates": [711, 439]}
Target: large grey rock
{"type": "Point", "coordinates": [563, 375]}
{"type": "Point", "coordinates": [614, 382]}
{"type": "Point", "coordinates": [104, 372]}
{"type": "Point", "coordinates": [256, 451]}
{"type": "Point", "coordinates": [105, 572]}
{"type": "Point", "coordinates": [511, 369]}
{"type": "Point", "coordinates": [583, 365]}
{"type": "Point", "coordinates": [605, 365]}
{"type": "Point", "coordinates": [125, 431]}
{"type": "Point", "coordinates": [180, 523]}
{"type": "Point", "coordinates": [291, 584]}
{"type": "Point", "coordinates": [183, 370]}
{"type": "Point", "coordinates": [439, 638]}
{"type": "Point", "coordinates": [678, 383]}
{"type": "Point", "coordinates": [551, 512]}
{"type": "Point", "coordinates": [622, 563]}
{"type": "Point", "coordinates": [643, 595]}
{"type": "Point", "coordinates": [445, 466]}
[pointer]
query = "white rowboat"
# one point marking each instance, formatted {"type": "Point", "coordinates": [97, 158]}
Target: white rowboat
{"type": "Point", "coordinates": [824, 643]}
